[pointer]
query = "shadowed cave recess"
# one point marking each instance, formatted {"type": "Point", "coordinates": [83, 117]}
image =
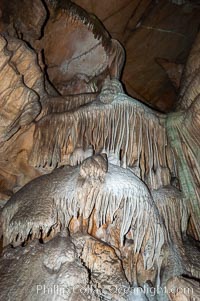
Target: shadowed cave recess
{"type": "Point", "coordinates": [99, 150]}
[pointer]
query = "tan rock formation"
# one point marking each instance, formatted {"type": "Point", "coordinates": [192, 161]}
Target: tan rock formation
{"type": "Point", "coordinates": [100, 193]}
{"type": "Point", "coordinates": [19, 103]}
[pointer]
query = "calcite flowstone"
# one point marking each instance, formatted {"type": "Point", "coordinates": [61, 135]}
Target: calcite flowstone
{"type": "Point", "coordinates": [57, 271]}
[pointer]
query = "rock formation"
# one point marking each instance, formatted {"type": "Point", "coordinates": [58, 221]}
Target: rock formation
{"type": "Point", "coordinates": [100, 193]}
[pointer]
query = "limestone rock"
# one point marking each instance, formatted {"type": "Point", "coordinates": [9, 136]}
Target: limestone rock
{"type": "Point", "coordinates": [19, 104]}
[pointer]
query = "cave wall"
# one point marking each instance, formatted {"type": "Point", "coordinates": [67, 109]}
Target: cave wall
{"type": "Point", "coordinates": [109, 186]}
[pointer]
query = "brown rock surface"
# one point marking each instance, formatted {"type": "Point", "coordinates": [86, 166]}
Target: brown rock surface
{"type": "Point", "coordinates": [21, 90]}
{"type": "Point", "coordinates": [86, 52]}
{"type": "Point", "coordinates": [24, 18]}
{"type": "Point", "coordinates": [19, 104]}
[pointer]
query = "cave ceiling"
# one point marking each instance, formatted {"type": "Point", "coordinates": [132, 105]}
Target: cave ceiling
{"type": "Point", "coordinates": [153, 33]}
{"type": "Point", "coordinates": [157, 37]}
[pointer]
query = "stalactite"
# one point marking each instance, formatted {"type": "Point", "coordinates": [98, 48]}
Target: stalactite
{"type": "Point", "coordinates": [66, 103]}
{"type": "Point", "coordinates": [122, 128]}
{"type": "Point", "coordinates": [77, 14]}
{"type": "Point", "coordinates": [172, 206]}
{"type": "Point", "coordinates": [69, 192]}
